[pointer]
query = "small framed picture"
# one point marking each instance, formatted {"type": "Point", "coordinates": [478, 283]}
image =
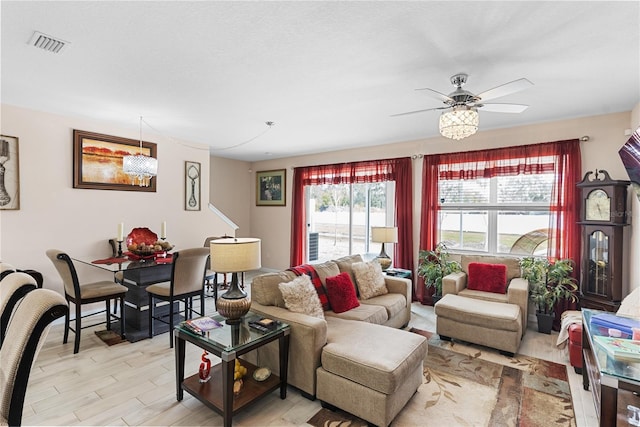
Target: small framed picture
{"type": "Point", "coordinates": [192, 186]}
{"type": "Point", "coordinates": [271, 188]}
{"type": "Point", "coordinates": [9, 173]}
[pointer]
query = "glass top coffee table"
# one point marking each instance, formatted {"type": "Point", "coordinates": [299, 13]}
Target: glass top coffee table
{"type": "Point", "coordinates": [614, 383]}
{"type": "Point", "coordinates": [228, 343]}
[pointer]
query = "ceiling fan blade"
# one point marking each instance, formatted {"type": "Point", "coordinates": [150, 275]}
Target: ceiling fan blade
{"type": "Point", "coordinates": [437, 95]}
{"type": "Point", "coordinates": [418, 111]}
{"type": "Point", "coordinates": [503, 108]}
{"type": "Point", "coordinates": [505, 89]}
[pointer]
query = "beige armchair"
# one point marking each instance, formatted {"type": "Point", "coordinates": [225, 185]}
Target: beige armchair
{"type": "Point", "coordinates": [12, 289]}
{"type": "Point", "coordinates": [517, 290]}
{"type": "Point", "coordinates": [24, 337]}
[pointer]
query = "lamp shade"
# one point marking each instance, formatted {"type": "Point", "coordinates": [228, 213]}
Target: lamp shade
{"type": "Point", "coordinates": [233, 255]}
{"type": "Point", "coordinates": [384, 234]}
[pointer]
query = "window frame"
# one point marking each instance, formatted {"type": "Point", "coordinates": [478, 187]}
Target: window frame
{"type": "Point", "coordinates": [389, 187]}
{"type": "Point", "coordinates": [493, 209]}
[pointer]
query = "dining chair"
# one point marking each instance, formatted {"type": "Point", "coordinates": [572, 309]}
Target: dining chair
{"type": "Point", "coordinates": [13, 287]}
{"type": "Point", "coordinates": [86, 293]}
{"type": "Point", "coordinates": [187, 280]}
{"type": "Point", "coordinates": [26, 333]}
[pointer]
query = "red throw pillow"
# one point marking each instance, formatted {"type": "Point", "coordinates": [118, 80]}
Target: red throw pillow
{"type": "Point", "coordinates": [487, 277]}
{"type": "Point", "coordinates": [341, 293]}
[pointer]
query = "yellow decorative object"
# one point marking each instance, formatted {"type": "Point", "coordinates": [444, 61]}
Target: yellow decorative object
{"type": "Point", "coordinates": [237, 386]}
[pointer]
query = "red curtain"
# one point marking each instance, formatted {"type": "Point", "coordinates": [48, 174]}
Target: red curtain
{"type": "Point", "coordinates": [403, 255]}
{"type": "Point", "coordinates": [560, 157]}
{"type": "Point", "coordinates": [429, 219]}
{"type": "Point", "coordinates": [298, 222]}
{"type": "Point", "coordinates": [398, 170]}
{"type": "Point", "coordinates": [565, 214]}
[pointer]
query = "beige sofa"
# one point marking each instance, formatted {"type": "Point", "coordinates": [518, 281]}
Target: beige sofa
{"type": "Point", "coordinates": [486, 318]}
{"type": "Point", "coordinates": [391, 356]}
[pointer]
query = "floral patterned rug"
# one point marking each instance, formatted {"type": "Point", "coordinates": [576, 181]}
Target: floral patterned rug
{"type": "Point", "coordinates": [462, 387]}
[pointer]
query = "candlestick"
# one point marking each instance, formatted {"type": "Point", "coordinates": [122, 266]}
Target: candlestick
{"type": "Point", "coordinates": [120, 249]}
{"type": "Point", "coordinates": [163, 230]}
{"type": "Point", "coordinates": [120, 232]}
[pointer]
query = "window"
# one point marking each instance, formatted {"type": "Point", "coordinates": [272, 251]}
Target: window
{"type": "Point", "coordinates": [340, 217]}
{"type": "Point", "coordinates": [365, 181]}
{"type": "Point", "coordinates": [495, 214]}
{"type": "Point", "coordinates": [504, 200]}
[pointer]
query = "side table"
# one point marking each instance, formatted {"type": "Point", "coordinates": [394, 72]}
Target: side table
{"type": "Point", "coordinates": [228, 343]}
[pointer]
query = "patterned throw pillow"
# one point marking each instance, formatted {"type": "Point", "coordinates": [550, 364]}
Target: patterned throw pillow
{"type": "Point", "coordinates": [369, 279]}
{"type": "Point", "coordinates": [487, 277]}
{"type": "Point", "coordinates": [314, 275]}
{"type": "Point", "coordinates": [301, 297]}
{"type": "Point", "coordinates": [342, 293]}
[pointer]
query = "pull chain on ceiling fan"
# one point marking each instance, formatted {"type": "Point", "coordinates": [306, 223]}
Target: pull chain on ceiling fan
{"type": "Point", "coordinates": [461, 120]}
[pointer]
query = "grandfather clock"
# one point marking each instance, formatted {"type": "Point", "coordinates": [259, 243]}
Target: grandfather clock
{"type": "Point", "coordinates": [604, 216]}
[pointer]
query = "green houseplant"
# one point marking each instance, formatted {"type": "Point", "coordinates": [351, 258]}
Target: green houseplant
{"type": "Point", "coordinates": [549, 282]}
{"type": "Point", "coordinates": [433, 265]}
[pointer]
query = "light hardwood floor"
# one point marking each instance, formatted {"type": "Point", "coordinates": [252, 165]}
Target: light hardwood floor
{"type": "Point", "coordinates": [134, 383]}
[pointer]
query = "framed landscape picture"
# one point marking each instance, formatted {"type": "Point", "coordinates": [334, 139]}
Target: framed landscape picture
{"type": "Point", "coordinates": [271, 188]}
{"type": "Point", "coordinates": [9, 173]}
{"type": "Point", "coordinates": [191, 186]}
{"type": "Point", "coordinates": [97, 161]}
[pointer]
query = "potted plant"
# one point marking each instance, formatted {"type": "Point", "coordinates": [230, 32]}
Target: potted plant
{"type": "Point", "coordinates": [549, 282]}
{"type": "Point", "coordinates": [433, 266]}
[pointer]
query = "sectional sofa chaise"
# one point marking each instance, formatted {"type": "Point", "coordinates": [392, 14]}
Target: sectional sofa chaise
{"type": "Point", "coordinates": [358, 360]}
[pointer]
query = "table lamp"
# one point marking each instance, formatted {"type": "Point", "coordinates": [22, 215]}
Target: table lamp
{"type": "Point", "coordinates": [384, 235]}
{"type": "Point", "coordinates": [234, 255]}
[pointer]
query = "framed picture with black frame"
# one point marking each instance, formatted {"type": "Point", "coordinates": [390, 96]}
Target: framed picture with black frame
{"type": "Point", "coordinates": [9, 173]}
{"type": "Point", "coordinates": [192, 186]}
{"type": "Point", "coordinates": [271, 188]}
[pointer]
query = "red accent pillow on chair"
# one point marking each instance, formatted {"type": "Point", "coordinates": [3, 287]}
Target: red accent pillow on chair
{"type": "Point", "coordinates": [341, 293]}
{"type": "Point", "coordinates": [487, 277]}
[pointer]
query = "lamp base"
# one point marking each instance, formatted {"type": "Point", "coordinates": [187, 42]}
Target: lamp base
{"type": "Point", "coordinates": [233, 309]}
{"type": "Point", "coordinates": [385, 263]}
{"type": "Point", "coordinates": [234, 303]}
{"type": "Point", "coordinates": [383, 259]}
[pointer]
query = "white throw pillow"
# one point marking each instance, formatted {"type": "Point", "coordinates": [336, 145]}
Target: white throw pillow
{"type": "Point", "coordinates": [369, 279]}
{"type": "Point", "coordinates": [300, 296]}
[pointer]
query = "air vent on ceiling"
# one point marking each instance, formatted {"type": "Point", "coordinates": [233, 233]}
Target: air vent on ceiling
{"type": "Point", "coordinates": [48, 43]}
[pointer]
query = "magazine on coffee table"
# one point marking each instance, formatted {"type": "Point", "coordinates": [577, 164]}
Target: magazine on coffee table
{"type": "Point", "coordinates": [620, 348]}
{"type": "Point", "coordinates": [202, 324]}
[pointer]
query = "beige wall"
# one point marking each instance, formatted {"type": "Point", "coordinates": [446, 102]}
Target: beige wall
{"type": "Point", "coordinates": [230, 180]}
{"type": "Point", "coordinates": [606, 135]}
{"type": "Point", "coordinates": [54, 215]}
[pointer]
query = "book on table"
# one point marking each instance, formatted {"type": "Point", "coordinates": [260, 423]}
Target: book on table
{"type": "Point", "coordinates": [620, 348]}
{"type": "Point", "coordinates": [202, 324]}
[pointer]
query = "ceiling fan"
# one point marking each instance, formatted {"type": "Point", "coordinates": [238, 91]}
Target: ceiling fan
{"type": "Point", "coordinates": [462, 118]}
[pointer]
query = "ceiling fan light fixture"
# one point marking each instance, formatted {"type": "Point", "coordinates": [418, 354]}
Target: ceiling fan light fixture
{"type": "Point", "coordinates": [460, 122]}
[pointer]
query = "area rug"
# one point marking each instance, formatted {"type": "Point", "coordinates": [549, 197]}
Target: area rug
{"type": "Point", "coordinates": [462, 388]}
{"type": "Point", "coordinates": [110, 337]}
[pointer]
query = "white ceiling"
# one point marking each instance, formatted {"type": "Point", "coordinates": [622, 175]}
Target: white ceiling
{"type": "Point", "coordinates": [328, 74]}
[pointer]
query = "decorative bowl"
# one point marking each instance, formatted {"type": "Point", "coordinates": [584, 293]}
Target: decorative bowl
{"type": "Point", "coordinates": [141, 235]}
{"type": "Point", "coordinates": [144, 243]}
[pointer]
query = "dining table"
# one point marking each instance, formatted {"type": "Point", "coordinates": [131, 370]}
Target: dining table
{"type": "Point", "coordinates": [136, 273]}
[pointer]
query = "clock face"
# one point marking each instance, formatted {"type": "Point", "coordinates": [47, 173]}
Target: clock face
{"type": "Point", "coordinates": [598, 206]}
